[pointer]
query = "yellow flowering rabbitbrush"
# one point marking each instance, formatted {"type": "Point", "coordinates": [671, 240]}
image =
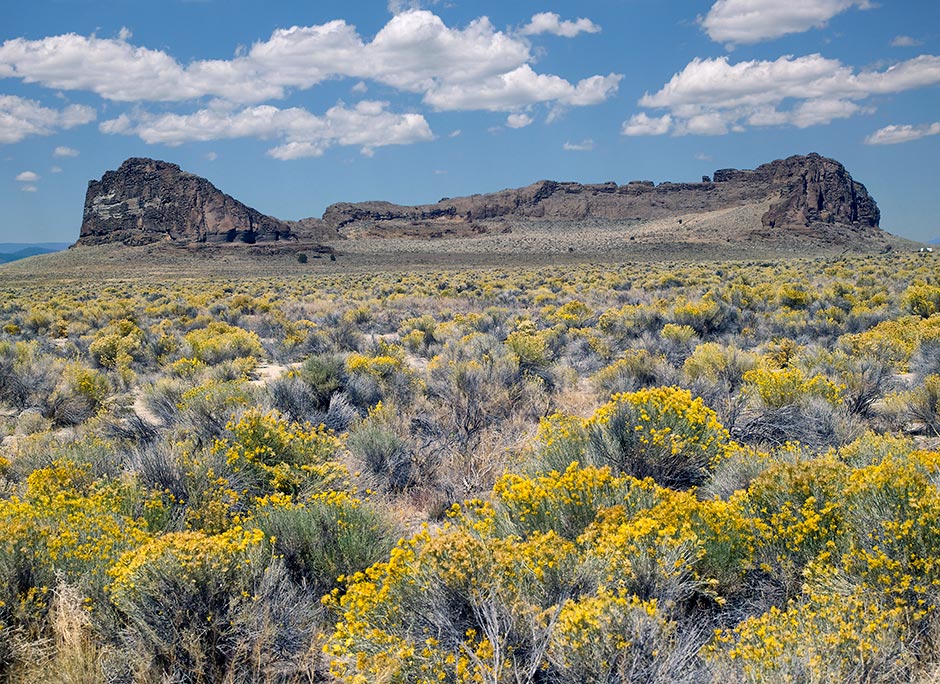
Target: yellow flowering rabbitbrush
{"type": "Point", "coordinates": [281, 455]}
{"type": "Point", "coordinates": [660, 432]}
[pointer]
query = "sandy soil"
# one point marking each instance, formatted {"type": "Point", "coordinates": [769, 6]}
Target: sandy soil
{"type": "Point", "coordinates": [267, 372]}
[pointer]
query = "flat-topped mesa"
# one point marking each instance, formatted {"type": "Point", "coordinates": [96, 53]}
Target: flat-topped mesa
{"type": "Point", "coordinates": [801, 191]}
{"type": "Point", "coordinates": [146, 201]}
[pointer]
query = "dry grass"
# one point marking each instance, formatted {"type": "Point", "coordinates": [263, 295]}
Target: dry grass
{"type": "Point", "coordinates": [73, 655]}
{"type": "Point", "coordinates": [734, 233]}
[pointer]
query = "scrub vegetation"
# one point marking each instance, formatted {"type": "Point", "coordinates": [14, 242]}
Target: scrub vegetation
{"type": "Point", "coordinates": [676, 472]}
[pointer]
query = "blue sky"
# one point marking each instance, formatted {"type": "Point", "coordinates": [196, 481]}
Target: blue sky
{"type": "Point", "coordinates": [290, 106]}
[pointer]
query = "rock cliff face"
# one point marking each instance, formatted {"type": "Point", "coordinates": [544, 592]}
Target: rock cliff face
{"type": "Point", "coordinates": [806, 192]}
{"type": "Point", "coordinates": [815, 189]}
{"type": "Point", "coordinates": [146, 200]}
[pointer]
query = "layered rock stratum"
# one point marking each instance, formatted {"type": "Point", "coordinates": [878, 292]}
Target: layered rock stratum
{"type": "Point", "coordinates": [804, 196]}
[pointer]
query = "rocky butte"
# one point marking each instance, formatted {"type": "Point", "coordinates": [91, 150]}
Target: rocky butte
{"type": "Point", "coordinates": [147, 201]}
{"type": "Point", "coordinates": [806, 195]}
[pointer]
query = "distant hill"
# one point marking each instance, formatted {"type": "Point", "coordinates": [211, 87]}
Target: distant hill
{"type": "Point", "coordinates": [935, 241]}
{"type": "Point", "coordinates": [14, 251]}
{"type": "Point", "coordinates": [11, 247]}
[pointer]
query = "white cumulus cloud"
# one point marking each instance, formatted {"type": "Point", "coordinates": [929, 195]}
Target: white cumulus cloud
{"type": "Point", "coordinates": [414, 52]}
{"type": "Point", "coordinates": [549, 22]}
{"type": "Point", "coordinates": [117, 70]}
{"type": "Point", "coordinates": [518, 88]}
{"type": "Point", "coordinates": [714, 96]}
{"type": "Point", "coordinates": [822, 111]}
{"type": "Point", "coordinates": [450, 68]}
{"type": "Point", "coordinates": [27, 177]}
{"type": "Point", "coordinates": [751, 21]}
{"type": "Point", "coordinates": [63, 151]}
{"type": "Point", "coordinates": [21, 118]}
{"type": "Point", "coordinates": [518, 120]}
{"type": "Point", "coordinates": [894, 134]}
{"type": "Point", "coordinates": [642, 124]}
{"type": "Point", "coordinates": [367, 125]}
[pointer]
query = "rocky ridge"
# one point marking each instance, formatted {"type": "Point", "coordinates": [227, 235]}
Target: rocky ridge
{"type": "Point", "coordinates": [145, 201]}
{"type": "Point", "coordinates": [806, 194]}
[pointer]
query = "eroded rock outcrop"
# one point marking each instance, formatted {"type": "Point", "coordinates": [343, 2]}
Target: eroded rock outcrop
{"type": "Point", "coordinates": [146, 201]}
{"type": "Point", "coordinates": [804, 192]}
{"type": "Point", "coordinates": [816, 190]}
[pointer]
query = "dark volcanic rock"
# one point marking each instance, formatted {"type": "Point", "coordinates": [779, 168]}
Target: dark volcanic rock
{"type": "Point", "coordinates": [802, 192]}
{"type": "Point", "coordinates": [815, 189]}
{"type": "Point", "coordinates": [147, 200]}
